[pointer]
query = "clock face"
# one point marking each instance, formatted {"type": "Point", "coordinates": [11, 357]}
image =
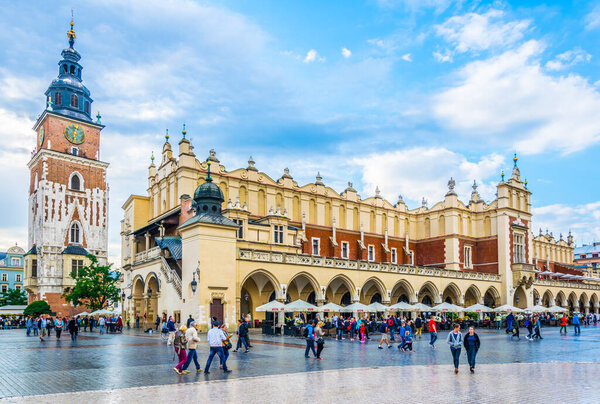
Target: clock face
{"type": "Point", "coordinates": [41, 136]}
{"type": "Point", "coordinates": [74, 133]}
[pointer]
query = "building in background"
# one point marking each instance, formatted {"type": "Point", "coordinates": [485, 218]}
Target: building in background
{"type": "Point", "coordinates": [11, 268]}
{"type": "Point", "coordinates": [589, 256]}
{"type": "Point", "coordinates": [68, 194]}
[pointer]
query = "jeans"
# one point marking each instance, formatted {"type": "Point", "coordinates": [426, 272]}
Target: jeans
{"type": "Point", "coordinates": [563, 327]}
{"type": "Point", "coordinates": [319, 348]}
{"type": "Point", "coordinates": [577, 328]}
{"type": "Point", "coordinates": [28, 330]}
{"type": "Point", "coordinates": [310, 345]}
{"type": "Point", "coordinates": [73, 336]}
{"type": "Point", "coordinates": [225, 355]}
{"type": "Point", "coordinates": [471, 353]}
{"type": "Point", "coordinates": [58, 332]}
{"type": "Point", "coordinates": [35, 331]}
{"type": "Point", "coordinates": [433, 338]}
{"type": "Point", "coordinates": [240, 341]}
{"type": "Point", "coordinates": [340, 333]}
{"type": "Point", "coordinates": [215, 350]}
{"type": "Point", "coordinates": [498, 325]}
{"type": "Point", "coordinates": [192, 354]}
{"type": "Point", "coordinates": [101, 329]}
{"type": "Point", "coordinates": [455, 356]}
{"type": "Point", "coordinates": [392, 331]}
{"type": "Point", "coordinates": [182, 356]}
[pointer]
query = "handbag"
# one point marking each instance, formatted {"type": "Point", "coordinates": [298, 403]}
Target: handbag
{"type": "Point", "coordinates": [320, 341]}
{"type": "Point", "coordinates": [228, 345]}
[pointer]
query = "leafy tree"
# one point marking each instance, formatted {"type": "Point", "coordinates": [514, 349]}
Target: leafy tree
{"type": "Point", "coordinates": [95, 285]}
{"type": "Point", "coordinates": [13, 297]}
{"type": "Point", "coordinates": [36, 308]}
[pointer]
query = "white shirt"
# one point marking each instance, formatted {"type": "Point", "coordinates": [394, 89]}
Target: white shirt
{"type": "Point", "coordinates": [215, 337]}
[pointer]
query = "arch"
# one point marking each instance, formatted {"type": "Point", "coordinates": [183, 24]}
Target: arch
{"type": "Point", "coordinates": [75, 181]}
{"type": "Point", "coordinates": [225, 191]}
{"type": "Point", "coordinates": [572, 302]}
{"type": "Point", "coordinates": [429, 289]}
{"type": "Point", "coordinates": [355, 219]}
{"type": "Point", "coordinates": [384, 222]}
{"type": "Point", "coordinates": [547, 299]}
{"type": "Point", "coordinates": [594, 303]}
{"type": "Point", "coordinates": [152, 301]}
{"type": "Point", "coordinates": [372, 286]}
{"type": "Point", "coordinates": [243, 194]}
{"type": "Point", "coordinates": [520, 298]}
{"type": "Point", "coordinates": [372, 223]}
{"type": "Point", "coordinates": [262, 202]}
{"type": "Point", "coordinates": [301, 281]}
{"type": "Point", "coordinates": [264, 273]}
{"type": "Point", "coordinates": [149, 277]}
{"type": "Point", "coordinates": [561, 299]}
{"type": "Point", "coordinates": [257, 288]}
{"type": "Point", "coordinates": [491, 298]}
{"type": "Point", "coordinates": [583, 302]}
{"type": "Point", "coordinates": [427, 228]}
{"type": "Point", "coordinates": [328, 214]}
{"type": "Point", "coordinates": [536, 296]}
{"type": "Point", "coordinates": [460, 224]}
{"type": "Point", "coordinates": [472, 295]}
{"type": "Point", "coordinates": [342, 217]}
{"type": "Point", "coordinates": [74, 101]}
{"type": "Point", "coordinates": [487, 226]}
{"type": "Point", "coordinates": [58, 98]}
{"type": "Point", "coordinates": [75, 233]}
{"type": "Point", "coordinates": [72, 69]}
{"type": "Point", "coordinates": [396, 226]}
{"type": "Point", "coordinates": [296, 209]}
{"type": "Point", "coordinates": [279, 201]}
{"type": "Point", "coordinates": [138, 285]}
{"type": "Point", "coordinates": [87, 107]}
{"type": "Point", "coordinates": [312, 211]}
{"type": "Point", "coordinates": [441, 225]}
{"type": "Point", "coordinates": [337, 287]}
{"type": "Point", "coordinates": [403, 291]}
{"type": "Point", "coordinates": [452, 294]}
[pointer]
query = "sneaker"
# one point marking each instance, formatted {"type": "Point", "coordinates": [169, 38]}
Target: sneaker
{"type": "Point", "coordinates": [380, 347]}
{"type": "Point", "coordinates": [472, 370]}
{"type": "Point", "coordinates": [199, 370]}
{"type": "Point", "coordinates": [206, 372]}
{"type": "Point", "coordinates": [220, 366]}
{"type": "Point", "coordinates": [319, 359]}
{"type": "Point", "coordinates": [389, 346]}
{"type": "Point", "coordinates": [177, 371]}
{"type": "Point", "coordinates": [227, 371]}
{"type": "Point", "coordinates": [246, 351]}
{"type": "Point", "coordinates": [307, 357]}
{"type": "Point", "coordinates": [185, 372]}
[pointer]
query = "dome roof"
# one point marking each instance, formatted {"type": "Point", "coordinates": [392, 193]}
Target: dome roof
{"type": "Point", "coordinates": [209, 191]}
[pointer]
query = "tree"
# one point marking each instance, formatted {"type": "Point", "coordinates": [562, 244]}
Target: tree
{"type": "Point", "coordinates": [36, 308]}
{"type": "Point", "coordinates": [13, 297]}
{"type": "Point", "coordinates": [95, 285]}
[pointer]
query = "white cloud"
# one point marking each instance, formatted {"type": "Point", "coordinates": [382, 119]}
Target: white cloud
{"type": "Point", "coordinates": [424, 172]}
{"type": "Point", "coordinates": [346, 53]}
{"type": "Point", "coordinates": [445, 57]}
{"type": "Point", "coordinates": [593, 19]}
{"type": "Point", "coordinates": [11, 235]}
{"type": "Point", "coordinates": [407, 57]}
{"type": "Point", "coordinates": [21, 88]}
{"type": "Point", "coordinates": [568, 59]}
{"type": "Point", "coordinates": [313, 56]}
{"type": "Point", "coordinates": [583, 220]}
{"type": "Point", "coordinates": [478, 32]}
{"type": "Point", "coordinates": [509, 100]}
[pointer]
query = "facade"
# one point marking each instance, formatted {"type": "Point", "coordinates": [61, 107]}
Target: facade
{"type": "Point", "coordinates": [11, 268]}
{"type": "Point", "coordinates": [256, 239]}
{"type": "Point", "coordinates": [68, 193]}
{"type": "Point", "coordinates": [589, 256]}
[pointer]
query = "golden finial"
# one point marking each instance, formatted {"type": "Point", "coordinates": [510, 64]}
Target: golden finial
{"type": "Point", "coordinates": [71, 32]}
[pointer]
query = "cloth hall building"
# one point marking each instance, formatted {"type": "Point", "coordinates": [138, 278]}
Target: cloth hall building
{"type": "Point", "coordinates": [208, 241]}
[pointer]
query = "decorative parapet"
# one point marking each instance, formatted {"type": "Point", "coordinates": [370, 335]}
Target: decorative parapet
{"type": "Point", "coordinates": [523, 274]}
{"type": "Point", "coordinates": [339, 263]}
{"type": "Point", "coordinates": [566, 284]}
{"type": "Point", "coordinates": [147, 255]}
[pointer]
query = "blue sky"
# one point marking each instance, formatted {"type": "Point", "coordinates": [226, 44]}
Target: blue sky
{"type": "Point", "coordinates": [400, 94]}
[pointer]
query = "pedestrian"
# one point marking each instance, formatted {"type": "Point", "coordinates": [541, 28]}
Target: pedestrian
{"type": "Point", "coordinates": [58, 327]}
{"type": "Point", "coordinates": [72, 325]}
{"type": "Point", "coordinates": [171, 329]}
{"type": "Point", "coordinates": [309, 334]}
{"type": "Point", "coordinates": [362, 330]}
{"type": "Point", "coordinates": [179, 343]}
{"type": "Point", "coordinates": [242, 331]}
{"type": "Point", "coordinates": [192, 342]}
{"type": "Point", "coordinates": [509, 322]}
{"type": "Point", "coordinates": [101, 323]}
{"type": "Point", "coordinates": [49, 325]}
{"type": "Point", "coordinates": [536, 328]}
{"type": "Point", "coordinates": [472, 344]}
{"type": "Point", "coordinates": [432, 332]}
{"type": "Point", "coordinates": [498, 321]}
{"type": "Point", "coordinates": [227, 345]}
{"type": "Point", "coordinates": [29, 325]}
{"type": "Point", "coordinates": [320, 341]}
{"type": "Point", "coordinates": [576, 325]}
{"type": "Point", "coordinates": [455, 341]}
{"type": "Point", "coordinates": [215, 340]}
{"type": "Point", "coordinates": [383, 329]}
{"type": "Point", "coordinates": [407, 341]}
{"type": "Point", "coordinates": [529, 326]}
{"type": "Point", "coordinates": [418, 327]}
{"type": "Point", "coordinates": [563, 324]}
{"type": "Point", "coordinates": [42, 326]}
{"type": "Point", "coordinates": [340, 328]}
{"type": "Point", "coordinates": [352, 328]}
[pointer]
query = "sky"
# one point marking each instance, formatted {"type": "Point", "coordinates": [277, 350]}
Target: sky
{"type": "Point", "coordinates": [399, 94]}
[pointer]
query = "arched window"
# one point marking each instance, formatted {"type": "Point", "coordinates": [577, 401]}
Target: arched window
{"type": "Point", "coordinates": [74, 101]}
{"type": "Point", "coordinates": [75, 233]}
{"type": "Point", "coordinates": [65, 68]}
{"type": "Point", "coordinates": [75, 182]}
{"type": "Point", "coordinates": [58, 99]}
{"type": "Point", "coordinates": [87, 107]}
{"type": "Point", "coordinates": [72, 69]}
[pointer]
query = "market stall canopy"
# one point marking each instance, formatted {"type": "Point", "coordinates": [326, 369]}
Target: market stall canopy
{"type": "Point", "coordinates": [556, 309]}
{"type": "Point", "coordinates": [402, 306]}
{"type": "Point", "coordinates": [507, 308]}
{"type": "Point", "coordinates": [300, 306]}
{"type": "Point", "coordinates": [85, 313]}
{"type": "Point", "coordinates": [273, 305]}
{"type": "Point", "coordinates": [12, 309]}
{"type": "Point", "coordinates": [330, 307]}
{"type": "Point", "coordinates": [447, 307]}
{"type": "Point", "coordinates": [537, 309]}
{"type": "Point", "coordinates": [376, 307]}
{"type": "Point", "coordinates": [478, 308]}
{"type": "Point", "coordinates": [421, 307]}
{"type": "Point", "coordinates": [358, 307]}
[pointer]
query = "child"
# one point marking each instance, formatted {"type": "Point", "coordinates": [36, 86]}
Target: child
{"type": "Point", "coordinates": [362, 332]}
{"type": "Point", "coordinates": [408, 340]}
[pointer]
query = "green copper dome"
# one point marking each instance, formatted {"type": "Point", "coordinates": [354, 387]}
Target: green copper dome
{"type": "Point", "coordinates": [208, 197]}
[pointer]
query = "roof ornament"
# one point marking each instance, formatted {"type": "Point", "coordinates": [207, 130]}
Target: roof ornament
{"type": "Point", "coordinates": [516, 173]}
{"type": "Point", "coordinates": [319, 179]}
{"type": "Point", "coordinates": [212, 156]}
{"type": "Point", "coordinates": [152, 157]}
{"type": "Point", "coordinates": [251, 163]}
{"type": "Point", "coordinates": [451, 186]}
{"type": "Point", "coordinates": [49, 104]}
{"type": "Point", "coordinates": [350, 188]}
{"type": "Point", "coordinates": [98, 116]}
{"type": "Point", "coordinates": [475, 194]}
{"type": "Point", "coordinates": [71, 33]}
{"type": "Point", "coordinates": [167, 136]}
{"type": "Point", "coordinates": [424, 202]}
{"type": "Point", "coordinates": [208, 177]}
{"type": "Point", "coordinates": [286, 173]}
{"type": "Point", "coordinates": [525, 183]}
{"type": "Point", "coordinates": [502, 176]}
{"type": "Point", "coordinates": [183, 131]}
{"type": "Point", "coordinates": [570, 237]}
{"type": "Point", "coordinates": [400, 200]}
{"type": "Point", "coordinates": [377, 192]}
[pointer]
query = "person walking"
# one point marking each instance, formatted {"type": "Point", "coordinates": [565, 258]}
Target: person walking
{"type": "Point", "coordinates": [498, 321]}
{"type": "Point", "coordinates": [529, 326]}
{"type": "Point", "coordinates": [215, 340]}
{"type": "Point", "coordinates": [72, 326]}
{"type": "Point", "coordinates": [537, 325]}
{"type": "Point", "coordinates": [101, 324]}
{"type": "Point", "coordinates": [310, 339]}
{"type": "Point", "coordinates": [171, 329]}
{"type": "Point", "coordinates": [35, 324]}
{"type": "Point", "coordinates": [576, 324]}
{"type": "Point", "coordinates": [563, 324]}
{"type": "Point", "coordinates": [340, 328]}
{"type": "Point", "coordinates": [432, 332]}
{"type": "Point", "coordinates": [455, 340]}
{"type": "Point", "coordinates": [383, 329]}
{"type": "Point", "coordinates": [242, 332]}
{"type": "Point", "coordinates": [226, 344]}
{"type": "Point", "coordinates": [472, 344]}
{"type": "Point", "coordinates": [49, 325]}
{"type": "Point", "coordinates": [58, 327]}
{"type": "Point", "coordinates": [29, 325]}
{"type": "Point", "coordinates": [42, 325]}
{"type": "Point", "coordinates": [418, 327]}
{"type": "Point", "coordinates": [509, 322]}
{"type": "Point", "coordinates": [157, 323]}
{"type": "Point", "coordinates": [192, 342]}
{"type": "Point", "coordinates": [320, 341]}
{"type": "Point", "coordinates": [179, 343]}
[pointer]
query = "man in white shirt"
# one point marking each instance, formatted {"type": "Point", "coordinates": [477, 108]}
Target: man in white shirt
{"type": "Point", "coordinates": [215, 340]}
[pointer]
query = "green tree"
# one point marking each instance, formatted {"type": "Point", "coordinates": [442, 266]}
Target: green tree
{"type": "Point", "coordinates": [36, 308]}
{"type": "Point", "coordinates": [95, 285]}
{"type": "Point", "coordinates": [13, 296]}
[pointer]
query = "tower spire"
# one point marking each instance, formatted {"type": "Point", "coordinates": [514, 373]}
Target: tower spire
{"type": "Point", "coordinates": [71, 32]}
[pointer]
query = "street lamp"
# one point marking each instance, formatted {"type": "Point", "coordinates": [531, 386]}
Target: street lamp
{"type": "Point", "coordinates": [123, 296]}
{"type": "Point", "coordinates": [194, 284]}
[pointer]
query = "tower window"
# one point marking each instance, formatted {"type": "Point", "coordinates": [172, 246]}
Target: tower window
{"type": "Point", "coordinates": [74, 101]}
{"type": "Point", "coordinates": [72, 69]}
{"type": "Point", "coordinates": [75, 184]}
{"type": "Point", "coordinates": [65, 68]}
{"type": "Point", "coordinates": [87, 107]}
{"type": "Point", "coordinates": [58, 99]}
{"type": "Point", "coordinates": [75, 233]}
{"type": "Point", "coordinates": [34, 268]}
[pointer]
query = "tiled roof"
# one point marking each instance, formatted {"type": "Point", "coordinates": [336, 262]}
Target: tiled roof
{"type": "Point", "coordinates": [172, 243]}
{"type": "Point", "coordinates": [2, 255]}
{"type": "Point", "coordinates": [587, 249]}
{"type": "Point", "coordinates": [75, 250]}
{"type": "Point", "coordinates": [210, 219]}
{"type": "Point", "coordinates": [33, 251]}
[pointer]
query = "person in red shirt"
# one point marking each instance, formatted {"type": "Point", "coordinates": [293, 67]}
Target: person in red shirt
{"type": "Point", "coordinates": [563, 324]}
{"type": "Point", "coordinates": [432, 332]}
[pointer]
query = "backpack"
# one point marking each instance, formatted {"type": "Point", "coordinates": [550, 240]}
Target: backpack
{"type": "Point", "coordinates": [390, 322]}
{"type": "Point", "coordinates": [305, 332]}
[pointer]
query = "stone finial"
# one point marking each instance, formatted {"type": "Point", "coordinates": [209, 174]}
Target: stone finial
{"type": "Point", "coordinates": [319, 179]}
{"type": "Point", "coordinates": [98, 116]}
{"type": "Point", "coordinates": [229, 204]}
{"type": "Point", "coordinates": [350, 188]}
{"type": "Point", "coordinates": [377, 192]}
{"type": "Point", "coordinates": [167, 136]}
{"type": "Point", "coordinates": [245, 207]}
{"type": "Point", "coordinates": [570, 237]}
{"type": "Point", "coordinates": [237, 202]}
{"type": "Point", "coordinates": [278, 210]}
{"type": "Point", "coordinates": [502, 176]}
{"type": "Point", "coordinates": [516, 173]}
{"type": "Point", "coordinates": [286, 173]}
{"type": "Point", "coordinates": [451, 185]}
{"type": "Point", "coordinates": [424, 202]}
{"type": "Point", "coordinates": [152, 158]}
{"type": "Point", "coordinates": [212, 156]}
{"type": "Point", "coordinates": [541, 233]}
{"type": "Point", "coordinates": [475, 194]}
{"type": "Point", "coordinates": [561, 237]}
{"type": "Point", "coordinates": [400, 200]}
{"type": "Point", "coordinates": [183, 131]}
{"type": "Point", "coordinates": [251, 163]}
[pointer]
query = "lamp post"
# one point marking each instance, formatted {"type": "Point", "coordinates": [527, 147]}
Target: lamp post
{"type": "Point", "coordinates": [194, 283]}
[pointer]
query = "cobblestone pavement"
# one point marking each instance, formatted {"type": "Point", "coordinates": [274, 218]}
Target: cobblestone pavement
{"type": "Point", "coordinates": [93, 368]}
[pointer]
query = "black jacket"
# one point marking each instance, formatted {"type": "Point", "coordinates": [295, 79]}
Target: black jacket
{"type": "Point", "coordinates": [477, 342]}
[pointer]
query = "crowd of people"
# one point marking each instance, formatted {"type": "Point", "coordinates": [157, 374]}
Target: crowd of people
{"type": "Point", "coordinates": [43, 325]}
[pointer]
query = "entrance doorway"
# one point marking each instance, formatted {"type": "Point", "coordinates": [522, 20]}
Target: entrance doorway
{"type": "Point", "coordinates": [216, 310]}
